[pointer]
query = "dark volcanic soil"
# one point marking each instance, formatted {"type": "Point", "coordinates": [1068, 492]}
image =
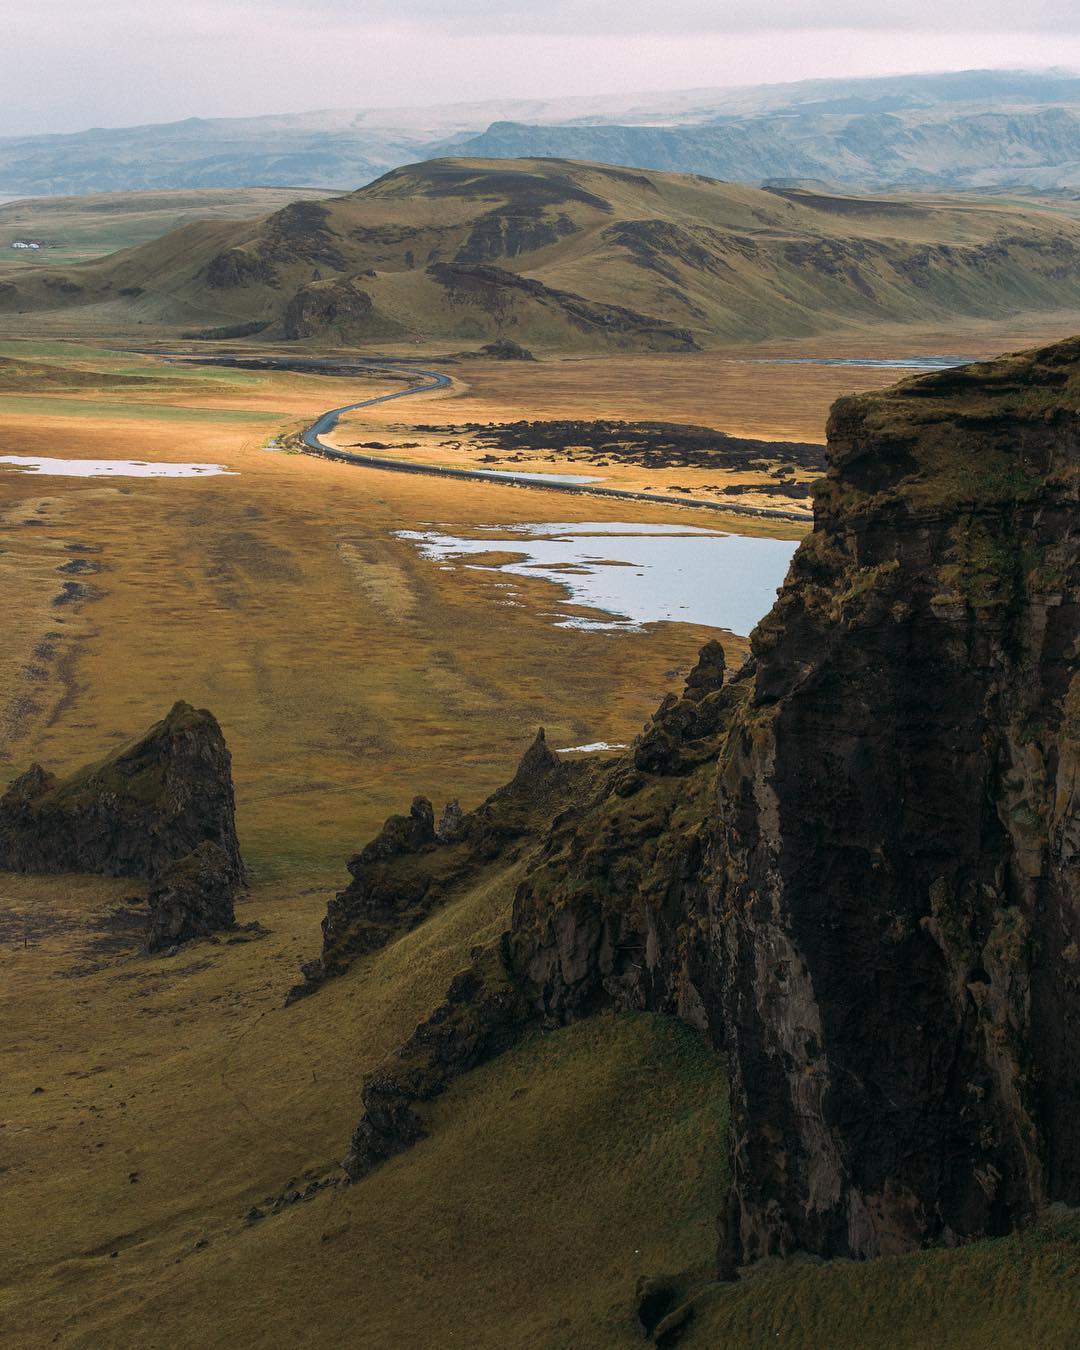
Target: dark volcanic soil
{"type": "Point", "coordinates": [654, 445]}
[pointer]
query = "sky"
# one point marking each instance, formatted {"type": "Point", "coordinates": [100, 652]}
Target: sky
{"type": "Point", "coordinates": [66, 65]}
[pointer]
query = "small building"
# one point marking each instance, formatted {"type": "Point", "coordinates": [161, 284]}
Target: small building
{"type": "Point", "coordinates": [28, 243]}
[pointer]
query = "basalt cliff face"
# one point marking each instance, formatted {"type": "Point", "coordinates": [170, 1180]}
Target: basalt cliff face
{"type": "Point", "coordinates": [132, 815]}
{"type": "Point", "coordinates": [894, 900]}
{"type": "Point", "coordinates": [853, 864]}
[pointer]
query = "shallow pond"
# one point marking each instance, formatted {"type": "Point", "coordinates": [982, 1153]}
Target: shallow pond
{"type": "Point", "coordinates": [877, 363]}
{"type": "Point", "coordinates": [109, 468]}
{"type": "Point", "coordinates": [634, 574]}
{"type": "Point", "coordinates": [591, 748]}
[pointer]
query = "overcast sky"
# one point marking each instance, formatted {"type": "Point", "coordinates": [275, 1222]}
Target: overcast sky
{"type": "Point", "coordinates": [70, 64]}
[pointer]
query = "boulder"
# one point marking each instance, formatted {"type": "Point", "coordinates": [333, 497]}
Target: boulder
{"type": "Point", "coordinates": [191, 898]}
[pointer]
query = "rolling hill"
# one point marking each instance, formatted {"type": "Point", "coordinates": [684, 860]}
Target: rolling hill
{"type": "Point", "coordinates": [573, 256]}
{"type": "Point", "coordinates": [73, 228]}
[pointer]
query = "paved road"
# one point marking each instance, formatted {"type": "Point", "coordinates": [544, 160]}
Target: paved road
{"type": "Point", "coordinates": [434, 380]}
{"type": "Point", "coordinates": [329, 420]}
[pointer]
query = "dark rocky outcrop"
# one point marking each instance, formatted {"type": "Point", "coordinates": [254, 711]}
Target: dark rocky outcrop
{"type": "Point", "coordinates": [411, 867]}
{"type": "Point", "coordinates": [391, 882]}
{"type": "Point", "coordinates": [451, 826]}
{"type": "Point", "coordinates": [505, 349]}
{"type": "Point", "coordinates": [483, 1015]}
{"type": "Point", "coordinates": [340, 308]}
{"type": "Point", "coordinates": [511, 230]}
{"type": "Point", "coordinates": [502, 297]}
{"type": "Point", "coordinates": [855, 863]}
{"type": "Point", "coordinates": [192, 898]}
{"type": "Point", "coordinates": [238, 267]}
{"type": "Point", "coordinates": [132, 815]}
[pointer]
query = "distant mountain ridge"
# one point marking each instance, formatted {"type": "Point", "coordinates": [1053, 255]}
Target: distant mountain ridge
{"type": "Point", "coordinates": [971, 148]}
{"type": "Point", "coordinates": [951, 130]}
{"type": "Point", "coordinates": [560, 255]}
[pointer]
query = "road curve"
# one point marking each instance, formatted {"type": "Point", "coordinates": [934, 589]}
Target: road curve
{"type": "Point", "coordinates": [329, 420]}
{"type": "Point", "coordinates": [313, 445]}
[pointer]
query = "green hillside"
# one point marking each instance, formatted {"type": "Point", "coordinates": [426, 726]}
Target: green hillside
{"type": "Point", "coordinates": [576, 256]}
{"type": "Point", "coordinates": [72, 229]}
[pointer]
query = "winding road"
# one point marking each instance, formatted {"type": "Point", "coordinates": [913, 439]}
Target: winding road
{"type": "Point", "coordinates": [329, 420]}
{"type": "Point", "coordinates": [433, 380]}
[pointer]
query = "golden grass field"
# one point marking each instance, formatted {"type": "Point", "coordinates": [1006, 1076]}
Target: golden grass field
{"type": "Point", "coordinates": [348, 674]}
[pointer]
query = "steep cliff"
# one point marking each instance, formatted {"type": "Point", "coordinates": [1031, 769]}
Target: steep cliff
{"type": "Point", "coordinates": [855, 863]}
{"type": "Point", "coordinates": [893, 910]}
{"type": "Point", "coordinates": [132, 815]}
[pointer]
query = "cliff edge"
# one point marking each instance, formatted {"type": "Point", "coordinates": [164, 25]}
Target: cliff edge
{"type": "Point", "coordinates": [854, 863]}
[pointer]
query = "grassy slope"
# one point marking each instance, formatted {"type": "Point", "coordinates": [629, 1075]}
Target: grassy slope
{"type": "Point", "coordinates": [77, 228]}
{"type": "Point", "coordinates": [727, 262]}
{"type": "Point", "coordinates": [550, 1180]}
{"type": "Point", "coordinates": [580, 1159]}
{"type": "Point", "coordinates": [1018, 1291]}
{"type": "Point", "coordinates": [575, 1161]}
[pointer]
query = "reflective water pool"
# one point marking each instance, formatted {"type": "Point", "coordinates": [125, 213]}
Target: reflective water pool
{"type": "Point", "coordinates": [109, 468]}
{"type": "Point", "coordinates": [876, 362]}
{"type": "Point", "coordinates": [632, 574]}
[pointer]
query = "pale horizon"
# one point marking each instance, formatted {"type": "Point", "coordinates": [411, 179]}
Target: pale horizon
{"type": "Point", "coordinates": [494, 101]}
{"type": "Point", "coordinates": [120, 65]}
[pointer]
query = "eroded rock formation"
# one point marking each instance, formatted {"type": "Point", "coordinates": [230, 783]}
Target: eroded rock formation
{"type": "Point", "coordinates": [855, 863]}
{"type": "Point", "coordinates": [192, 898]}
{"type": "Point", "coordinates": [131, 815]}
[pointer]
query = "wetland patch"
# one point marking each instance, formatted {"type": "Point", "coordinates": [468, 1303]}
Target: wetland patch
{"type": "Point", "coordinates": [110, 468]}
{"type": "Point", "coordinates": [631, 574]}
